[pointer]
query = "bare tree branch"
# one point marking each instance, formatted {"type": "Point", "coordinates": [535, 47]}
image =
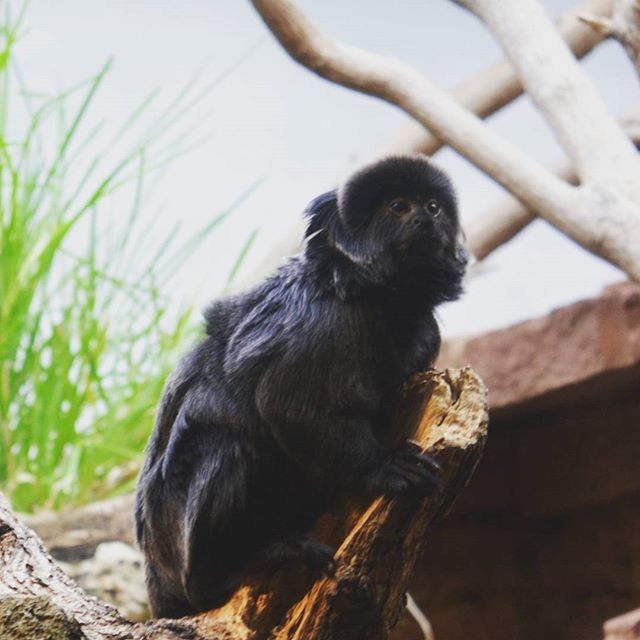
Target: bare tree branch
{"type": "Point", "coordinates": [605, 160]}
{"type": "Point", "coordinates": [559, 87]}
{"type": "Point", "coordinates": [403, 86]}
{"type": "Point", "coordinates": [623, 25]}
{"type": "Point", "coordinates": [501, 223]}
{"type": "Point", "coordinates": [420, 618]}
{"type": "Point", "coordinates": [496, 86]}
{"type": "Point", "coordinates": [483, 94]}
{"type": "Point", "coordinates": [601, 215]}
{"type": "Point", "coordinates": [624, 627]}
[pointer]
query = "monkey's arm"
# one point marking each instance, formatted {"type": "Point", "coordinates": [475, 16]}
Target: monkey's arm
{"type": "Point", "coordinates": [334, 443]}
{"type": "Point", "coordinates": [305, 365]}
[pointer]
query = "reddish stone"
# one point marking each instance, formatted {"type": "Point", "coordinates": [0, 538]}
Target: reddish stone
{"type": "Point", "coordinates": [571, 346]}
{"type": "Point", "coordinates": [545, 541]}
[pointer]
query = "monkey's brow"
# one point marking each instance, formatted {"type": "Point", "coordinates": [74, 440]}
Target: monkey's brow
{"type": "Point", "coordinates": [394, 195]}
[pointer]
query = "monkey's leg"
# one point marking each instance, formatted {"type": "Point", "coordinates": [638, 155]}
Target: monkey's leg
{"type": "Point", "coordinates": [222, 557]}
{"type": "Point", "coordinates": [196, 504]}
{"type": "Point", "coordinates": [220, 536]}
{"type": "Point", "coordinates": [250, 516]}
{"type": "Point", "coordinates": [317, 557]}
{"type": "Point", "coordinates": [163, 600]}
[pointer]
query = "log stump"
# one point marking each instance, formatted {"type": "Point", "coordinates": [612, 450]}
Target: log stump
{"type": "Point", "coordinates": [378, 545]}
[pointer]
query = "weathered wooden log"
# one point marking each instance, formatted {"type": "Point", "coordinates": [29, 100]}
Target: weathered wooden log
{"type": "Point", "coordinates": [624, 627]}
{"type": "Point", "coordinates": [444, 412]}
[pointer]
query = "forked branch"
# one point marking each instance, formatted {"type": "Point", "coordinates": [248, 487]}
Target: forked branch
{"type": "Point", "coordinates": [483, 94]}
{"type": "Point", "coordinates": [508, 217]}
{"type": "Point", "coordinates": [498, 85]}
{"type": "Point", "coordinates": [558, 85]}
{"type": "Point", "coordinates": [610, 181]}
{"type": "Point", "coordinates": [403, 86]}
{"type": "Point", "coordinates": [623, 25]}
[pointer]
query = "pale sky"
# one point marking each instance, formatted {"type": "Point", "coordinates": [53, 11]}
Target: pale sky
{"type": "Point", "coordinates": [271, 120]}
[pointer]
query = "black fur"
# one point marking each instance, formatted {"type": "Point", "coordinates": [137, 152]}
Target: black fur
{"type": "Point", "coordinates": [286, 403]}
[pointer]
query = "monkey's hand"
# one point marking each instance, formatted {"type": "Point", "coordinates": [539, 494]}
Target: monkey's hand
{"type": "Point", "coordinates": [317, 557]}
{"type": "Point", "coordinates": [407, 468]}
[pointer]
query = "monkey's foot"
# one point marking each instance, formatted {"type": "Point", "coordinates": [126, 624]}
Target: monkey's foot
{"type": "Point", "coordinates": [407, 468]}
{"type": "Point", "coordinates": [317, 557]}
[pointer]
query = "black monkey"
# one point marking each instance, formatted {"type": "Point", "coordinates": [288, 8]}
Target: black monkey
{"type": "Point", "coordinates": [286, 402]}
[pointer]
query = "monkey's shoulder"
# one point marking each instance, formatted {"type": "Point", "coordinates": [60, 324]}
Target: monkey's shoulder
{"type": "Point", "coordinates": [276, 313]}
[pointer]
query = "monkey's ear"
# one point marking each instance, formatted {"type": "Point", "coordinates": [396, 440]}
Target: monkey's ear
{"type": "Point", "coordinates": [326, 227]}
{"type": "Point", "coordinates": [321, 213]}
{"type": "Point", "coordinates": [360, 248]}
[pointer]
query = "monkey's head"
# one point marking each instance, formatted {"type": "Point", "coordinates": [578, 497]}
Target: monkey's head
{"type": "Point", "coordinates": [396, 221]}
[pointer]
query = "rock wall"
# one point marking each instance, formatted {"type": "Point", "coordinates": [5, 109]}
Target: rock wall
{"type": "Point", "coordinates": [545, 542]}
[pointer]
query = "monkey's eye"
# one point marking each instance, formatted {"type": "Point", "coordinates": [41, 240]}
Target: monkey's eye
{"type": "Point", "coordinates": [400, 206]}
{"type": "Point", "coordinates": [433, 207]}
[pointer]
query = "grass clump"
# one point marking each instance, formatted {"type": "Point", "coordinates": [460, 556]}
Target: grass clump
{"type": "Point", "coordinates": [86, 335]}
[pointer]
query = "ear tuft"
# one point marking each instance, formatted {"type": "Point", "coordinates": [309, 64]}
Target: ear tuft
{"type": "Point", "coordinates": [320, 212]}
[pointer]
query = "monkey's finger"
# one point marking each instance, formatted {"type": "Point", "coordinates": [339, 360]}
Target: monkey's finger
{"type": "Point", "coordinates": [417, 474]}
{"type": "Point", "coordinates": [410, 479]}
{"type": "Point", "coordinates": [420, 448]}
{"type": "Point", "coordinates": [321, 563]}
{"type": "Point", "coordinates": [415, 452]}
{"type": "Point", "coordinates": [429, 461]}
{"type": "Point", "coordinates": [412, 445]}
{"type": "Point", "coordinates": [330, 568]}
{"type": "Point", "coordinates": [421, 463]}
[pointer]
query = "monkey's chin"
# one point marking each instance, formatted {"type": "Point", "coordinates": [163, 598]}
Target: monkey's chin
{"type": "Point", "coordinates": [420, 244]}
{"type": "Point", "coordinates": [416, 241]}
{"type": "Point", "coordinates": [423, 255]}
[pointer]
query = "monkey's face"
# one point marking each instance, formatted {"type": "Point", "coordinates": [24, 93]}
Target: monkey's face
{"type": "Point", "coordinates": [414, 224]}
{"type": "Point", "coordinates": [399, 216]}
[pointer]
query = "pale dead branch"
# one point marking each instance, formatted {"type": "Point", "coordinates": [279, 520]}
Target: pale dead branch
{"type": "Point", "coordinates": [483, 94]}
{"type": "Point", "coordinates": [624, 627]}
{"type": "Point", "coordinates": [602, 214]}
{"type": "Point", "coordinates": [506, 219]}
{"type": "Point", "coordinates": [496, 86]}
{"type": "Point", "coordinates": [623, 25]}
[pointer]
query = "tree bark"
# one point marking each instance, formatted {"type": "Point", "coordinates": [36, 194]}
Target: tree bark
{"type": "Point", "coordinates": [445, 412]}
